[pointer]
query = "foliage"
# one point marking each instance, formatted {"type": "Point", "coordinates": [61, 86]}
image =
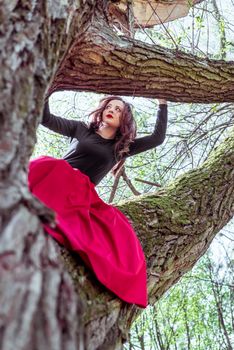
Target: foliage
{"type": "Point", "coordinates": [197, 313]}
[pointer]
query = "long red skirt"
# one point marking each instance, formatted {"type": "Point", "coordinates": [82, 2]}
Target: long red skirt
{"type": "Point", "coordinates": [97, 231]}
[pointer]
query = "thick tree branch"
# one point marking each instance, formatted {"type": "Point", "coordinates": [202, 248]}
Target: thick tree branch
{"type": "Point", "coordinates": [187, 213]}
{"type": "Point", "coordinates": [103, 62]}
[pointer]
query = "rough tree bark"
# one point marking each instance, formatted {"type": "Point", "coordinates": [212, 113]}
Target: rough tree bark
{"type": "Point", "coordinates": [101, 61]}
{"type": "Point", "coordinates": [48, 298]}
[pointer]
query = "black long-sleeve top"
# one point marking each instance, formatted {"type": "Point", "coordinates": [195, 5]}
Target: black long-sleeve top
{"type": "Point", "coordinates": [91, 153]}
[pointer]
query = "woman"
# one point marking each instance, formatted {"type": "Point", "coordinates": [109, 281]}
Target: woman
{"type": "Point", "coordinates": [97, 231]}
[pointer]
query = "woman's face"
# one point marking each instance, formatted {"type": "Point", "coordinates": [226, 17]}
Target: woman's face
{"type": "Point", "coordinates": [112, 113]}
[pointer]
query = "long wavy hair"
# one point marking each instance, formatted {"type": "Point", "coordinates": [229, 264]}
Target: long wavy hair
{"type": "Point", "coordinates": [124, 135]}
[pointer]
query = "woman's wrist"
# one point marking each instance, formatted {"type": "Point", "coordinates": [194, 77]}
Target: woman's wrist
{"type": "Point", "coordinates": [162, 101]}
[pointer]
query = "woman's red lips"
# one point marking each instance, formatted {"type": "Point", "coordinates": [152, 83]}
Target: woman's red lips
{"type": "Point", "coordinates": [109, 116]}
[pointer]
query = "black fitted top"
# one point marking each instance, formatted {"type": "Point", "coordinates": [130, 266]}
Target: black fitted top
{"type": "Point", "coordinates": [91, 153]}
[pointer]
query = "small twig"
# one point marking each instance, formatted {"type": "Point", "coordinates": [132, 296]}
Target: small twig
{"type": "Point", "coordinates": [129, 183]}
{"type": "Point", "coordinates": [148, 182]}
{"type": "Point", "coordinates": [115, 185]}
{"type": "Point", "coordinates": [162, 23]}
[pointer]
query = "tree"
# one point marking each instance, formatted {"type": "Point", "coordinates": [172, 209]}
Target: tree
{"type": "Point", "coordinates": [53, 303]}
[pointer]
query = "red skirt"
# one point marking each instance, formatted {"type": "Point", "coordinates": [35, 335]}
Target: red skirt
{"type": "Point", "coordinates": [97, 231]}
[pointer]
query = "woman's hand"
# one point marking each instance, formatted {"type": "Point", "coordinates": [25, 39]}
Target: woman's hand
{"type": "Point", "coordinates": [162, 101]}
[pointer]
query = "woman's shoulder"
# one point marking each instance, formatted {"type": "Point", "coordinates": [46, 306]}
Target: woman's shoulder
{"type": "Point", "coordinates": [81, 129]}
{"type": "Point", "coordinates": [83, 124]}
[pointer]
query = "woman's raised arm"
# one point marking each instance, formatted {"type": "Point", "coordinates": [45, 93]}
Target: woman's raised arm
{"type": "Point", "coordinates": [63, 126]}
{"type": "Point", "coordinates": [145, 143]}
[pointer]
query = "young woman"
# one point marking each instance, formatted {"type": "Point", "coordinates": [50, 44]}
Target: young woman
{"type": "Point", "coordinates": [97, 231]}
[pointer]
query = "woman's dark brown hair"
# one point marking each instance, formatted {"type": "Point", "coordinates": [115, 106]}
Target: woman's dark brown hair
{"type": "Point", "coordinates": [125, 134]}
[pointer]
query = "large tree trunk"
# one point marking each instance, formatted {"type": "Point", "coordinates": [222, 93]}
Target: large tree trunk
{"type": "Point", "coordinates": [53, 303]}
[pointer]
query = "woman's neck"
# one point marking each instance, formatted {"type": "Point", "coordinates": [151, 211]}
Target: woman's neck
{"type": "Point", "coordinates": [106, 132]}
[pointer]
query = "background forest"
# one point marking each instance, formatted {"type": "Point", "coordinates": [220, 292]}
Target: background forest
{"type": "Point", "coordinates": [198, 312]}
